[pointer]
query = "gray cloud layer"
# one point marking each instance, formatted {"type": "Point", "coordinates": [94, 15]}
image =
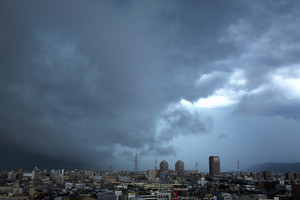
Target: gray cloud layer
{"type": "Point", "coordinates": [79, 78]}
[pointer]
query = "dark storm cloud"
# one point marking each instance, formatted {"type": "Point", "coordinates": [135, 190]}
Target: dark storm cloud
{"type": "Point", "coordinates": [180, 121]}
{"type": "Point", "coordinates": [268, 43]}
{"type": "Point", "coordinates": [78, 80]}
{"type": "Point", "coordinates": [269, 103]}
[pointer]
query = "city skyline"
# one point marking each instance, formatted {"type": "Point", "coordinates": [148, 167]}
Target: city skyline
{"type": "Point", "coordinates": [91, 84]}
{"type": "Point", "coordinates": [213, 168]}
{"type": "Point", "coordinates": [151, 184]}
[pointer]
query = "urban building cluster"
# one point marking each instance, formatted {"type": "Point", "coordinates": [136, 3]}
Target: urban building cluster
{"type": "Point", "coordinates": [153, 184]}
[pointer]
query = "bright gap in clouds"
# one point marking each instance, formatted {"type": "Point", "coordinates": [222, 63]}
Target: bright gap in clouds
{"type": "Point", "coordinates": [222, 97]}
{"type": "Point", "coordinates": [209, 102]}
{"type": "Point", "coordinates": [290, 87]}
{"type": "Point", "coordinates": [282, 81]}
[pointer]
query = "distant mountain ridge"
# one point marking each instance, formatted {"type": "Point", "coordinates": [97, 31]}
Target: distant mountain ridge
{"type": "Point", "coordinates": [275, 167]}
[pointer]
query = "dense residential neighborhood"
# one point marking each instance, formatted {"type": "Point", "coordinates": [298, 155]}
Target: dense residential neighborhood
{"type": "Point", "coordinates": [153, 184]}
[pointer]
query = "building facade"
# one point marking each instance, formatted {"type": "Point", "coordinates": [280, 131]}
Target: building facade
{"type": "Point", "coordinates": [179, 167]}
{"type": "Point", "coordinates": [214, 166]}
{"type": "Point", "coordinates": [267, 175]}
{"type": "Point", "coordinates": [163, 166]}
{"type": "Point", "coordinates": [151, 174]}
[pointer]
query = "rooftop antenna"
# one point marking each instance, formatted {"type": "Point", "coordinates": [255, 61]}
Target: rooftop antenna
{"type": "Point", "coordinates": [155, 165]}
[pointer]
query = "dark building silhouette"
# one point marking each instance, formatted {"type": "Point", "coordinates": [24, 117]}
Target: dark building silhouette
{"type": "Point", "coordinates": [20, 175]}
{"type": "Point", "coordinates": [295, 190]}
{"type": "Point", "coordinates": [267, 175]}
{"type": "Point", "coordinates": [163, 166]}
{"type": "Point", "coordinates": [214, 166]}
{"type": "Point", "coordinates": [179, 167]}
{"type": "Point", "coordinates": [290, 175]}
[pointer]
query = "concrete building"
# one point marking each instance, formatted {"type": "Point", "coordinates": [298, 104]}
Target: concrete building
{"type": "Point", "coordinates": [106, 196]}
{"type": "Point", "coordinates": [295, 190]}
{"type": "Point", "coordinates": [11, 175]}
{"type": "Point", "coordinates": [60, 179]}
{"type": "Point", "coordinates": [35, 174]}
{"type": "Point", "coordinates": [151, 173]}
{"type": "Point", "coordinates": [163, 166]}
{"type": "Point", "coordinates": [159, 186]}
{"type": "Point", "coordinates": [290, 175]}
{"type": "Point", "coordinates": [31, 192]}
{"type": "Point", "coordinates": [124, 178]}
{"type": "Point", "coordinates": [214, 166]}
{"type": "Point", "coordinates": [20, 175]}
{"type": "Point", "coordinates": [163, 196]}
{"type": "Point", "coordinates": [267, 175]}
{"type": "Point", "coordinates": [17, 190]}
{"type": "Point", "coordinates": [179, 167]}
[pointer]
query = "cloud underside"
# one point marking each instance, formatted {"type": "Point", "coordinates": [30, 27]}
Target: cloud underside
{"type": "Point", "coordinates": [85, 83]}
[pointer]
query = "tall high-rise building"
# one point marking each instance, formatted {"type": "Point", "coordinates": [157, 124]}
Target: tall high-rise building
{"type": "Point", "coordinates": [179, 167]}
{"type": "Point", "coordinates": [11, 175]}
{"type": "Point", "coordinates": [214, 166]}
{"type": "Point", "coordinates": [163, 166]}
{"type": "Point", "coordinates": [295, 190]}
{"type": "Point", "coordinates": [290, 175]}
{"type": "Point", "coordinates": [35, 174]}
{"type": "Point", "coordinates": [20, 174]}
{"type": "Point", "coordinates": [267, 175]}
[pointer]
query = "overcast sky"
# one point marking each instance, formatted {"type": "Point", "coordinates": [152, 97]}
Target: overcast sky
{"type": "Point", "coordinates": [89, 84]}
